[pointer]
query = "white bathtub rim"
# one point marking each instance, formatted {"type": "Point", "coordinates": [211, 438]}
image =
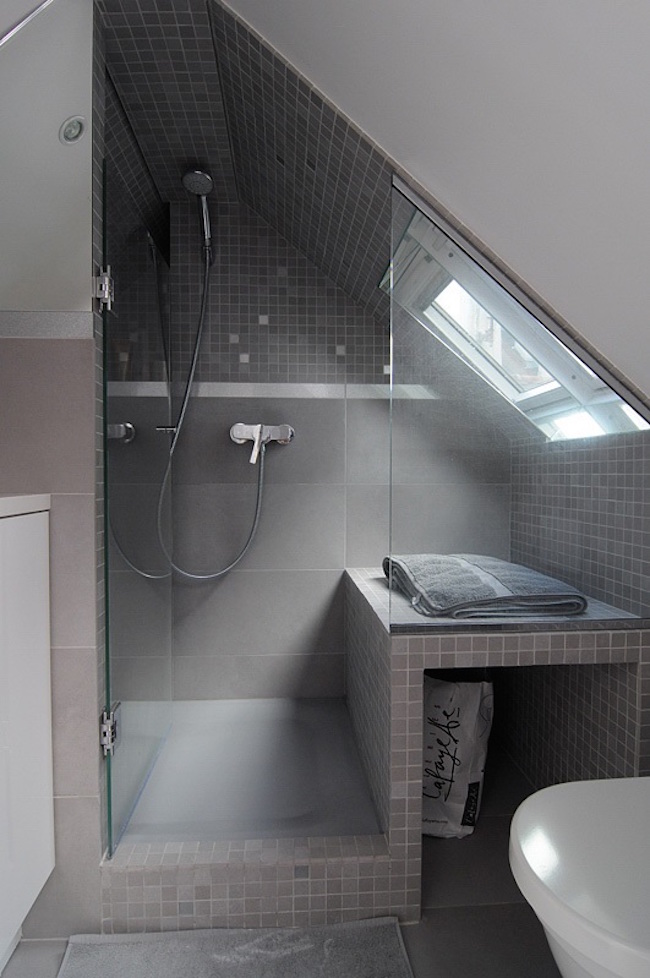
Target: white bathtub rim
{"type": "Point", "coordinates": [593, 941]}
{"type": "Point", "coordinates": [572, 962]}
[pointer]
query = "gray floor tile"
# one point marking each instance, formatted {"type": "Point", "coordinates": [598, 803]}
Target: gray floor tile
{"type": "Point", "coordinates": [36, 959]}
{"type": "Point", "coordinates": [504, 941]}
{"type": "Point", "coordinates": [504, 786]}
{"type": "Point", "coordinates": [470, 871]}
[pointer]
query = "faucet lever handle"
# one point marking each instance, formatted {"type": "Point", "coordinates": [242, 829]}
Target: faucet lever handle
{"type": "Point", "coordinates": [258, 439]}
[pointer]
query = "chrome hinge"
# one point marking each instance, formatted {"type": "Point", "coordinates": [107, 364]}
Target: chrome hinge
{"type": "Point", "coordinates": [110, 729]}
{"type": "Point", "coordinates": [105, 288]}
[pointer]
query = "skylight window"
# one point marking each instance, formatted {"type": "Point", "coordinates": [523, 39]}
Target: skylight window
{"type": "Point", "coordinates": [486, 333]}
{"type": "Point", "coordinates": [578, 424]}
{"type": "Point", "coordinates": [635, 418]}
{"type": "Point", "coordinates": [498, 337]}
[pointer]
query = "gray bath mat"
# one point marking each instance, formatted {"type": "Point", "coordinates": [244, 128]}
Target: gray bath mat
{"type": "Point", "coordinates": [364, 949]}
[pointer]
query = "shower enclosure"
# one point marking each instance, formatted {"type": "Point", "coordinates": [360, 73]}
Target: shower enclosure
{"type": "Point", "coordinates": [286, 345]}
{"type": "Point", "coordinates": [226, 544]}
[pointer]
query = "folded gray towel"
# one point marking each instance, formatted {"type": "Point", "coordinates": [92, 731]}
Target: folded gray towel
{"type": "Point", "coordinates": [475, 586]}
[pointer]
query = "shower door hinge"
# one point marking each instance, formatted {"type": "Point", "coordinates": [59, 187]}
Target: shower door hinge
{"type": "Point", "coordinates": [110, 729]}
{"type": "Point", "coordinates": [105, 288]}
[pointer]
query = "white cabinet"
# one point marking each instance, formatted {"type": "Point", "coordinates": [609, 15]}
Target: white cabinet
{"type": "Point", "coordinates": [26, 795]}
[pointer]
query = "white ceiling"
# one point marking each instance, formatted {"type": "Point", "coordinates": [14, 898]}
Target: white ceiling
{"type": "Point", "coordinates": [45, 187]}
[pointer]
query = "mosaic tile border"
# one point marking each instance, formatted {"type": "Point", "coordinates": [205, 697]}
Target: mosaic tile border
{"type": "Point", "coordinates": [257, 883]}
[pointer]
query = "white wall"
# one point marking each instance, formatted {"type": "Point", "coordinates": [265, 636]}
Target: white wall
{"type": "Point", "coordinates": [45, 187]}
{"type": "Point", "coordinates": [529, 121]}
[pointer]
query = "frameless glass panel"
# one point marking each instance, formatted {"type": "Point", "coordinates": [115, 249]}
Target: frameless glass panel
{"type": "Point", "coordinates": [137, 412]}
{"type": "Point", "coordinates": [504, 443]}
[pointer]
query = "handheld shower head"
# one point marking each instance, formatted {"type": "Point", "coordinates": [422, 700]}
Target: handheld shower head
{"type": "Point", "coordinates": [200, 183]}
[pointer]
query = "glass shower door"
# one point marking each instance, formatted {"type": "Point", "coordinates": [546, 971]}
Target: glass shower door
{"type": "Point", "coordinates": [138, 517]}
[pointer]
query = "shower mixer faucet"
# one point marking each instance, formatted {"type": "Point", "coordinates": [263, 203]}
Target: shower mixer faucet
{"type": "Point", "coordinates": [261, 434]}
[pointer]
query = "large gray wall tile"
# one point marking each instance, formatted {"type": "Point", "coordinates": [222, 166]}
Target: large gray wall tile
{"type": "Point", "coordinates": [301, 526]}
{"type": "Point", "coordinates": [140, 615]}
{"type": "Point", "coordinates": [253, 676]}
{"type": "Point", "coordinates": [72, 588]}
{"type": "Point", "coordinates": [368, 441]}
{"type": "Point", "coordinates": [145, 458]}
{"type": "Point", "coordinates": [74, 712]}
{"type": "Point", "coordinates": [47, 439]}
{"type": "Point", "coordinates": [367, 531]}
{"type": "Point", "coordinates": [434, 441]}
{"type": "Point", "coordinates": [141, 678]}
{"type": "Point", "coordinates": [46, 324]}
{"type": "Point", "coordinates": [70, 903]}
{"type": "Point", "coordinates": [451, 519]}
{"type": "Point", "coordinates": [261, 613]}
{"type": "Point", "coordinates": [279, 604]}
{"type": "Point", "coordinates": [206, 454]}
{"type": "Point", "coordinates": [132, 511]}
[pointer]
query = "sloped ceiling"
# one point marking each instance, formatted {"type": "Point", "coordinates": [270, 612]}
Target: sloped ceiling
{"type": "Point", "coordinates": [161, 59]}
{"type": "Point", "coordinates": [200, 90]}
{"type": "Point", "coordinates": [525, 120]}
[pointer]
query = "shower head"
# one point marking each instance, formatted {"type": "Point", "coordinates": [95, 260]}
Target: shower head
{"type": "Point", "coordinates": [200, 183]}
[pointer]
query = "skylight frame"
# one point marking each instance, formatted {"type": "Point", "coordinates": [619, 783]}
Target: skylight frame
{"type": "Point", "coordinates": [592, 387]}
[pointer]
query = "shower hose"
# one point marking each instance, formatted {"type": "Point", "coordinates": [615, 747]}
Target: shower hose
{"type": "Point", "coordinates": [214, 575]}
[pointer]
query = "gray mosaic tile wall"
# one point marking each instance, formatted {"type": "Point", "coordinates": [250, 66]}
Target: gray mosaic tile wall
{"type": "Point", "coordinates": [368, 690]}
{"type": "Point", "coordinates": [137, 222]}
{"type": "Point", "coordinates": [161, 59]}
{"type": "Point", "coordinates": [133, 200]}
{"type": "Point", "coordinates": [580, 512]}
{"type": "Point", "coordinates": [302, 166]}
{"type": "Point", "coordinates": [272, 315]}
{"type": "Point", "coordinates": [570, 723]}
